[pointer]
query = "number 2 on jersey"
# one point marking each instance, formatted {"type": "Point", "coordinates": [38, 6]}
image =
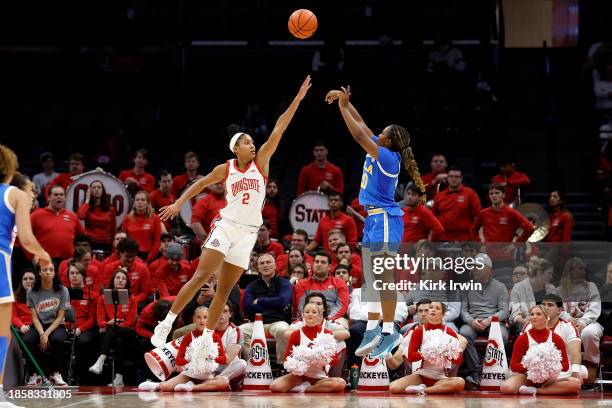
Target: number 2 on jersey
{"type": "Point", "coordinates": [245, 198]}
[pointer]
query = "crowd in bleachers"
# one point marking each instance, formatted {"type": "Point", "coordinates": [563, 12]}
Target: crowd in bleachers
{"type": "Point", "coordinates": [153, 259]}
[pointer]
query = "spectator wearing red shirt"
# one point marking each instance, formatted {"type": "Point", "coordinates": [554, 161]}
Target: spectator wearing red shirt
{"type": "Point", "coordinates": [436, 180]}
{"type": "Point", "coordinates": [352, 262]}
{"type": "Point", "coordinates": [511, 179]}
{"type": "Point", "coordinates": [121, 329]}
{"type": "Point", "coordinates": [192, 162]}
{"type": "Point", "coordinates": [419, 221]}
{"type": "Point", "coordinates": [92, 276]}
{"type": "Point", "coordinates": [144, 226]}
{"type": "Point", "coordinates": [114, 256]}
{"type": "Point", "coordinates": [206, 209]}
{"type": "Point", "coordinates": [337, 219]}
{"type": "Point", "coordinates": [84, 310]}
{"type": "Point", "coordinates": [265, 244]}
{"type": "Point", "coordinates": [22, 316]}
{"type": "Point", "coordinates": [358, 213]}
{"type": "Point", "coordinates": [84, 241]}
{"type": "Point", "coordinates": [99, 215]}
{"type": "Point", "coordinates": [299, 240]}
{"type": "Point", "coordinates": [169, 278]}
{"type": "Point", "coordinates": [294, 257]}
{"type": "Point", "coordinates": [456, 208]}
{"type": "Point", "coordinates": [162, 196]}
{"type": "Point", "coordinates": [137, 271]}
{"type": "Point", "coordinates": [334, 289]}
{"type": "Point", "coordinates": [499, 222]}
{"type": "Point", "coordinates": [561, 220]}
{"type": "Point", "coordinates": [272, 210]}
{"type": "Point", "coordinates": [137, 178]}
{"type": "Point", "coordinates": [150, 315]}
{"type": "Point", "coordinates": [76, 166]}
{"type": "Point", "coordinates": [320, 175]}
{"type": "Point", "coordinates": [55, 227]}
{"type": "Point", "coordinates": [164, 241]}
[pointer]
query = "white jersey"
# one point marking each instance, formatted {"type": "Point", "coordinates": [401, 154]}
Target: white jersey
{"type": "Point", "coordinates": [566, 330]}
{"type": "Point", "coordinates": [245, 193]}
{"type": "Point", "coordinates": [230, 336]}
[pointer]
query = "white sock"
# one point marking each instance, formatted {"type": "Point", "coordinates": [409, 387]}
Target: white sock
{"type": "Point", "coordinates": [170, 318]}
{"type": "Point", "coordinates": [527, 390]}
{"type": "Point", "coordinates": [372, 324]}
{"type": "Point", "coordinates": [387, 327]}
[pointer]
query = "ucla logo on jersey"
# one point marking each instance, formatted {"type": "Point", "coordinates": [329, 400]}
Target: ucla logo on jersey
{"type": "Point", "coordinates": [368, 169]}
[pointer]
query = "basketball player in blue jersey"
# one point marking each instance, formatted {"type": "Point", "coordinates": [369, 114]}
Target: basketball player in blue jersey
{"type": "Point", "coordinates": [383, 229]}
{"type": "Point", "coordinates": [15, 206]}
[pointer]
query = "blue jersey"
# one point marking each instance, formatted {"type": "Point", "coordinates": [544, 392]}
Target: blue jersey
{"type": "Point", "coordinates": [7, 221]}
{"type": "Point", "coordinates": [379, 180]}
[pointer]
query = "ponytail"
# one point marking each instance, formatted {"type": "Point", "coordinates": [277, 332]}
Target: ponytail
{"type": "Point", "coordinates": [400, 139]}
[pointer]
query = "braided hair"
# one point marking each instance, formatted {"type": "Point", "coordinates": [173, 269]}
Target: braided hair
{"type": "Point", "coordinates": [400, 142]}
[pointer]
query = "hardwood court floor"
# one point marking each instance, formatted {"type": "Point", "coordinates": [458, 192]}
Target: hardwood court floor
{"type": "Point", "coordinates": [129, 397]}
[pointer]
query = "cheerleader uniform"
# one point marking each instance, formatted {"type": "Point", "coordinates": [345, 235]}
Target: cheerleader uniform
{"type": "Point", "coordinates": [530, 338]}
{"type": "Point", "coordinates": [305, 337]}
{"type": "Point", "coordinates": [180, 357]}
{"type": "Point", "coordinates": [430, 373]}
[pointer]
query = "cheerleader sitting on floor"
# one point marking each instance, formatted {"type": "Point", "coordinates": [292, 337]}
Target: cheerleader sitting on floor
{"type": "Point", "coordinates": [437, 347]}
{"type": "Point", "coordinates": [538, 357]}
{"type": "Point", "coordinates": [195, 362]}
{"type": "Point", "coordinates": [312, 369]}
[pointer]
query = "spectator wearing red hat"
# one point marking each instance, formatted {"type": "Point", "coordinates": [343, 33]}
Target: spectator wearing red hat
{"type": "Point", "coordinates": [510, 179]}
{"type": "Point", "coordinates": [336, 219]}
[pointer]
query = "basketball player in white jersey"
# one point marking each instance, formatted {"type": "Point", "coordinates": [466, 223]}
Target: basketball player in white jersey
{"type": "Point", "coordinates": [234, 232]}
{"type": "Point", "coordinates": [15, 206]}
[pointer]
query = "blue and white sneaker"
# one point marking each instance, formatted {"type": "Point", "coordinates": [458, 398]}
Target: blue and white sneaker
{"type": "Point", "coordinates": [388, 343]}
{"type": "Point", "coordinates": [371, 338]}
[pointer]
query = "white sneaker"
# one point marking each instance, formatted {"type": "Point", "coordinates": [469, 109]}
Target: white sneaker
{"type": "Point", "coordinates": [187, 387]}
{"type": "Point", "coordinates": [527, 390]}
{"type": "Point", "coordinates": [300, 388]}
{"type": "Point", "coordinates": [415, 389]}
{"type": "Point", "coordinates": [118, 381]}
{"type": "Point", "coordinates": [148, 386]}
{"type": "Point", "coordinates": [98, 366]}
{"type": "Point", "coordinates": [57, 379]}
{"type": "Point", "coordinates": [160, 334]}
{"type": "Point", "coordinates": [34, 380]}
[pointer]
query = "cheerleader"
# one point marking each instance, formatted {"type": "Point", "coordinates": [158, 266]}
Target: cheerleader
{"type": "Point", "coordinates": [183, 382]}
{"type": "Point", "coordinates": [539, 333]}
{"type": "Point", "coordinates": [429, 378]}
{"type": "Point", "coordinates": [315, 376]}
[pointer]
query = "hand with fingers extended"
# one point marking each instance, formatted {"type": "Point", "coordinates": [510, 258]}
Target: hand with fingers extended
{"type": "Point", "coordinates": [342, 95]}
{"type": "Point", "coordinates": [168, 212]}
{"type": "Point", "coordinates": [304, 88]}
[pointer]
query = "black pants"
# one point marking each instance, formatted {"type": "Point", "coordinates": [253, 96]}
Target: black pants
{"type": "Point", "coordinates": [53, 359]}
{"type": "Point", "coordinates": [85, 352]}
{"type": "Point", "coordinates": [120, 339]}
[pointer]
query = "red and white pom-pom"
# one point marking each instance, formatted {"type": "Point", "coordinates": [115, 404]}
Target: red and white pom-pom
{"type": "Point", "coordinates": [323, 350]}
{"type": "Point", "coordinates": [543, 362]}
{"type": "Point", "coordinates": [319, 354]}
{"type": "Point", "coordinates": [440, 348]}
{"type": "Point", "coordinates": [201, 354]}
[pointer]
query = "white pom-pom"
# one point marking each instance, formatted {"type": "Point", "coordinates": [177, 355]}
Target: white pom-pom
{"type": "Point", "coordinates": [440, 348]}
{"type": "Point", "coordinates": [319, 354]}
{"type": "Point", "coordinates": [201, 354]}
{"type": "Point", "coordinates": [543, 362]}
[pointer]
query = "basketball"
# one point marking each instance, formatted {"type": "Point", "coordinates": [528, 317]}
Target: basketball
{"type": "Point", "coordinates": [302, 23]}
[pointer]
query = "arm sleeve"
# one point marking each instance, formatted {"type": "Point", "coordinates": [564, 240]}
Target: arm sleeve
{"type": "Point", "coordinates": [339, 182]}
{"type": "Point", "coordinates": [568, 225]}
{"type": "Point", "coordinates": [113, 223]}
{"type": "Point", "coordinates": [525, 225]}
{"type": "Point", "coordinates": [302, 181]}
{"type": "Point", "coordinates": [180, 357]}
{"type": "Point", "coordinates": [355, 311]}
{"type": "Point", "coordinates": [82, 211]}
{"type": "Point", "coordinates": [342, 302]}
{"type": "Point", "coordinates": [101, 313]}
{"type": "Point", "coordinates": [503, 299]}
{"type": "Point", "coordinates": [299, 296]}
{"type": "Point", "coordinates": [222, 358]}
{"type": "Point", "coordinates": [453, 310]}
{"type": "Point", "coordinates": [520, 179]}
{"type": "Point", "coordinates": [415, 345]}
{"type": "Point", "coordinates": [465, 315]}
{"type": "Point", "coordinates": [561, 346]}
{"type": "Point", "coordinates": [249, 307]}
{"type": "Point", "coordinates": [593, 306]}
{"type": "Point", "coordinates": [388, 160]}
{"type": "Point", "coordinates": [91, 317]}
{"type": "Point", "coordinates": [130, 318]}
{"type": "Point", "coordinates": [515, 304]}
{"type": "Point", "coordinates": [520, 348]}
{"type": "Point", "coordinates": [145, 285]}
{"type": "Point", "coordinates": [15, 320]}
{"type": "Point", "coordinates": [433, 224]}
{"type": "Point", "coordinates": [351, 232]}
{"type": "Point", "coordinates": [294, 340]}
{"type": "Point", "coordinates": [475, 205]}
{"type": "Point", "coordinates": [78, 227]}
{"type": "Point", "coordinates": [476, 226]}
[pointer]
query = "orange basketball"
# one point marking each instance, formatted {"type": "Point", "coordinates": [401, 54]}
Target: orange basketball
{"type": "Point", "coordinates": [302, 23]}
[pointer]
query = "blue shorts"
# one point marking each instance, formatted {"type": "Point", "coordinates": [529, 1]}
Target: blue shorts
{"type": "Point", "coordinates": [381, 228]}
{"type": "Point", "coordinates": [6, 286]}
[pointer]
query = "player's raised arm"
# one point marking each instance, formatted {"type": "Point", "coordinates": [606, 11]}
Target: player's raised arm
{"type": "Point", "coordinates": [269, 147]}
{"type": "Point", "coordinates": [216, 175]}
{"type": "Point", "coordinates": [354, 122]}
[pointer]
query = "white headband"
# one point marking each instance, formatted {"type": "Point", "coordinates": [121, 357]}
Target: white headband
{"type": "Point", "coordinates": [233, 140]}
